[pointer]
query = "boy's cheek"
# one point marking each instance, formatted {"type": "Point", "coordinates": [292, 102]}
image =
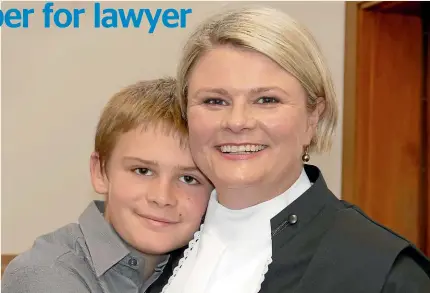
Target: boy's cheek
{"type": "Point", "coordinates": [197, 210]}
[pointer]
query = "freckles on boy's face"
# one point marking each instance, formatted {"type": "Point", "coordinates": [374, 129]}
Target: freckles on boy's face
{"type": "Point", "coordinates": [156, 195]}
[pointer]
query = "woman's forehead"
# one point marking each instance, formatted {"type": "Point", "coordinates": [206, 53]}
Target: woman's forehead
{"type": "Point", "coordinates": [230, 70]}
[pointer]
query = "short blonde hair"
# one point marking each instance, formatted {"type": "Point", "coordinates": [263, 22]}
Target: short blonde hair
{"type": "Point", "coordinates": [279, 37]}
{"type": "Point", "coordinates": [145, 103]}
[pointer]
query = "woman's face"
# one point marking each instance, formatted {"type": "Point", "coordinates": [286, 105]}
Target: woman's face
{"type": "Point", "coordinates": [248, 120]}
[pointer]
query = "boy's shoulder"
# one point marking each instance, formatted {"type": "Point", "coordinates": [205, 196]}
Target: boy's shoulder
{"type": "Point", "coordinates": [55, 260]}
{"type": "Point", "coordinates": [67, 241]}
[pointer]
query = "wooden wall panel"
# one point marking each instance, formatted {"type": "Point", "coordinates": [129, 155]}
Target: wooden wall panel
{"type": "Point", "coordinates": [5, 260]}
{"type": "Point", "coordinates": [388, 142]}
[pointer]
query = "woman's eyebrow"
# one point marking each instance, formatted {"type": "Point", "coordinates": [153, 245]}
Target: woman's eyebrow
{"type": "Point", "coordinates": [252, 91]}
{"type": "Point", "coordinates": [260, 90]}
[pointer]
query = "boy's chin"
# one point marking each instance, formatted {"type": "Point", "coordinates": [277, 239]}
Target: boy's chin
{"type": "Point", "coordinates": [160, 248]}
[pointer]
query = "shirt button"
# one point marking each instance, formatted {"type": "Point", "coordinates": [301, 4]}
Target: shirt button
{"type": "Point", "coordinates": [132, 261]}
{"type": "Point", "coordinates": [292, 219]}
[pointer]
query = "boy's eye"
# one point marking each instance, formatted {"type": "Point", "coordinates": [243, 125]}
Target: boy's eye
{"type": "Point", "coordinates": [189, 180]}
{"type": "Point", "coordinates": [143, 171]}
{"type": "Point", "coordinates": [215, 101]}
{"type": "Point", "coordinates": [267, 100]}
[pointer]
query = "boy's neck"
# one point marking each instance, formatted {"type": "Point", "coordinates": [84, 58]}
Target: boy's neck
{"type": "Point", "coordinates": [151, 260]}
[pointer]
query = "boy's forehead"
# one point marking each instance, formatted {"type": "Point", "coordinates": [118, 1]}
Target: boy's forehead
{"type": "Point", "coordinates": [153, 142]}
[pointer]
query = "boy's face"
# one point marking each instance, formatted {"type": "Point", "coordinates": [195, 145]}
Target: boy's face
{"type": "Point", "coordinates": [155, 195]}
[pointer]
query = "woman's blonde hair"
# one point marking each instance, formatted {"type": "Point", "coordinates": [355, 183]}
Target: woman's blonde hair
{"type": "Point", "coordinates": [279, 37]}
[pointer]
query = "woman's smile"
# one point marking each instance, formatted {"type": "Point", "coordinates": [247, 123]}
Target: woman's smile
{"type": "Point", "coordinates": [241, 151]}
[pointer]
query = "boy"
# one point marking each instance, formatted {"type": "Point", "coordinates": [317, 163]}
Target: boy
{"type": "Point", "coordinates": [155, 200]}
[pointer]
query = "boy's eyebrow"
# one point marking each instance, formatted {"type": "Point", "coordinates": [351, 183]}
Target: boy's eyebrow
{"type": "Point", "coordinates": [187, 168]}
{"type": "Point", "coordinates": [147, 162]}
{"type": "Point", "coordinates": [155, 163]}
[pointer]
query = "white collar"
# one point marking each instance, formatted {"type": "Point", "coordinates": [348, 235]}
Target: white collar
{"type": "Point", "coordinates": [218, 247]}
{"type": "Point", "coordinates": [244, 225]}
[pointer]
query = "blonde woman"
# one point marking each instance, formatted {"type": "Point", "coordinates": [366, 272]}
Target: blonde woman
{"type": "Point", "coordinates": [259, 100]}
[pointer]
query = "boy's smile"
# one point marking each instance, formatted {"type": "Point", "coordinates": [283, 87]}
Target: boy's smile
{"type": "Point", "coordinates": [155, 195]}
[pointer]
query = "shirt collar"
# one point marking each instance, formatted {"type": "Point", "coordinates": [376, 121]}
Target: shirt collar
{"type": "Point", "coordinates": [105, 246]}
{"type": "Point", "coordinates": [304, 209]}
{"type": "Point", "coordinates": [141, 258]}
{"type": "Point", "coordinates": [251, 223]}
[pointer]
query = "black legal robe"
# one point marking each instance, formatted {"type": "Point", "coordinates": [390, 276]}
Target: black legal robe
{"type": "Point", "coordinates": [321, 244]}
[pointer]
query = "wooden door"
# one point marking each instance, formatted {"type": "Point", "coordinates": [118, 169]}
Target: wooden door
{"type": "Point", "coordinates": [426, 102]}
{"type": "Point", "coordinates": [386, 139]}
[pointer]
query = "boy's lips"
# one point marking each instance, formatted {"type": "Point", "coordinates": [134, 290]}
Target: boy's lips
{"type": "Point", "coordinates": [160, 220]}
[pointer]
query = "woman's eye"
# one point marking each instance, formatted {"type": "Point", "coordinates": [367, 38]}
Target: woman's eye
{"type": "Point", "coordinates": [189, 180]}
{"type": "Point", "coordinates": [267, 100]}
{"type": "Point", "coordinates": [143, 171]}
{"type": "Point", "coordinates": [214, 101]}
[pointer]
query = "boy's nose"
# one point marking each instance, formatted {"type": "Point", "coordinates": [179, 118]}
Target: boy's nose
{"type": "Point", "coordinates": [162, 194]}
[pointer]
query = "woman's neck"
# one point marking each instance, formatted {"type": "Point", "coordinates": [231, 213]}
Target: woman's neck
{"type": "Point", "coordinates": [245, 196]}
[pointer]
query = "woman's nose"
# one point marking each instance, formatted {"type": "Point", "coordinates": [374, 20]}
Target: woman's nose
{"type": "Point", "coordinates": [239, 118]}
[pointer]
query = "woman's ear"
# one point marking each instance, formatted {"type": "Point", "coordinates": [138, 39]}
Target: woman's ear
{"type": "Point", "coordinates": [98, 176]}
{"type": "Point", "coordinates": [314, 118]}
{"type": "Point", "coordinates": [315, 115]}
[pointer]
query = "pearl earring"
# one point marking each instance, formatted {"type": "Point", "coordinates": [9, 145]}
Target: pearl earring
{"type": "Point", "coordinates": [305, 156]}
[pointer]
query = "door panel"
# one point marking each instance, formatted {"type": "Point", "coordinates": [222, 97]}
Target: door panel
{"type": "Point", "coordinates": [387, 127]}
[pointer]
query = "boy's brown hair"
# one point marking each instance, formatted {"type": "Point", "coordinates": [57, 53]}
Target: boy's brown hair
{"type": "Point", "coordinates": [143, 104]}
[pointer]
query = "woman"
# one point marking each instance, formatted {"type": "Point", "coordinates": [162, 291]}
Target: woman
{"type": "Point", "coordinates": [259, 99]}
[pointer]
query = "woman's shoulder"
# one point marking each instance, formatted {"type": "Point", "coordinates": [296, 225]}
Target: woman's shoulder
{"type": "Point", "coordinates": [355, 232]}
{"type": "Point", "coordinates": [406, 275]}
{"type": "Point", "coordinates": [370, 243]}
{"type": "Point", "coordinates": [355, 245]}
{"type": "Point", "coordinates": [352, 224]}
{"type": "Point", "coordinates": [352, 220]}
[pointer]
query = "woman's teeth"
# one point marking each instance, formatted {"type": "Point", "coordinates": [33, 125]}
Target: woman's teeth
{"type": "Point", "coordinates": [242, 149]}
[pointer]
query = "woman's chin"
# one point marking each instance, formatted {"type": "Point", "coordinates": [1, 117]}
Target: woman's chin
{"type": "Point", "coordinates": [237, 179]}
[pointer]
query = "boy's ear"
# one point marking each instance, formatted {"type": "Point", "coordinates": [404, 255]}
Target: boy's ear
{"type": "Point", "coordinates": [98, 178]}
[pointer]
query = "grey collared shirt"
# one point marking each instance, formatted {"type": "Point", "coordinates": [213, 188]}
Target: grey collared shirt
{"type": "Point", "coordinates": [84, 257]}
